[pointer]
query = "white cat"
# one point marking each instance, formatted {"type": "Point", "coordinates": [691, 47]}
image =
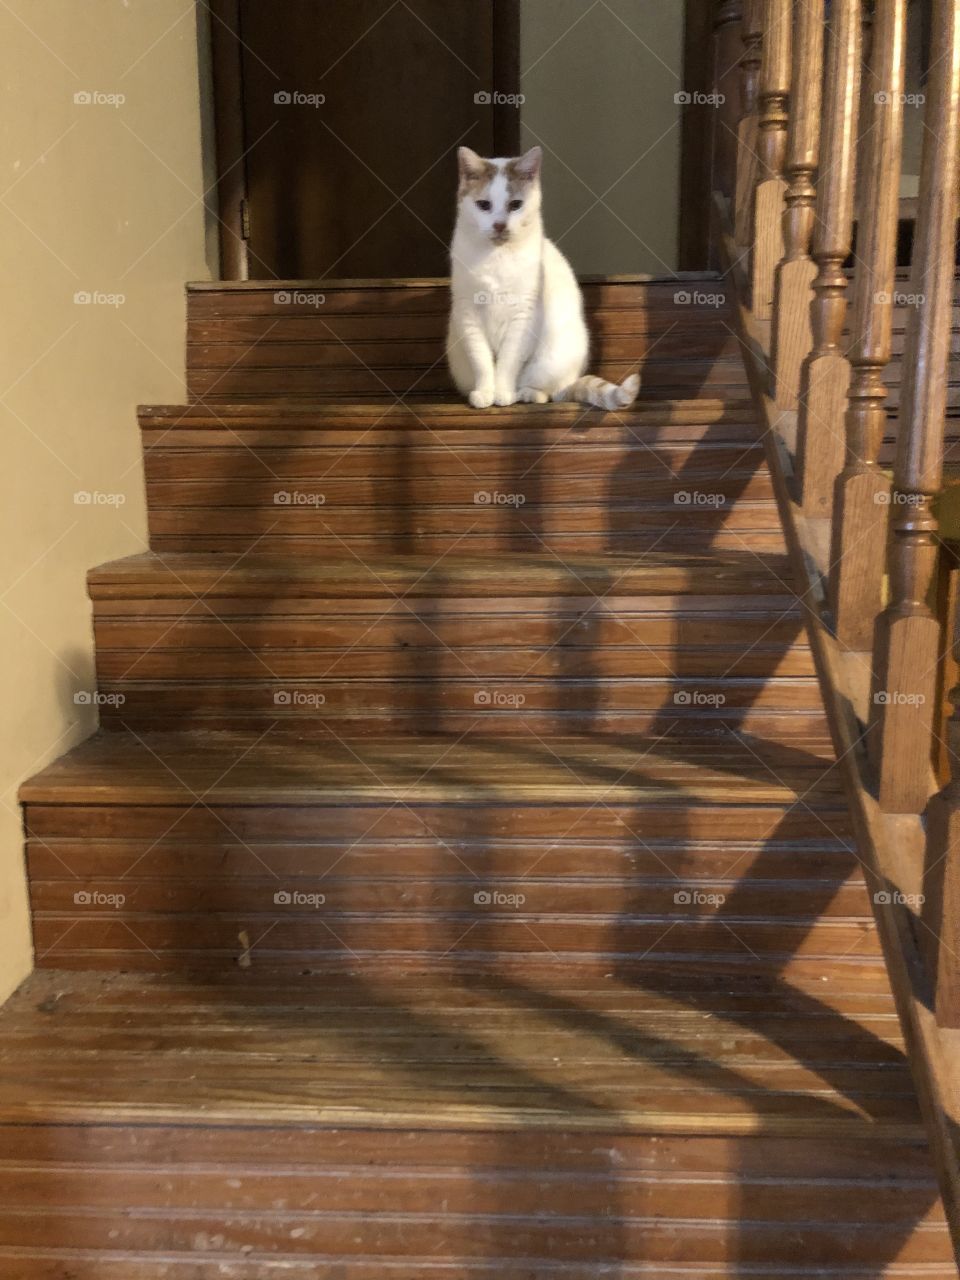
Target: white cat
{"type": "Point", "coordinates": [517, 330]}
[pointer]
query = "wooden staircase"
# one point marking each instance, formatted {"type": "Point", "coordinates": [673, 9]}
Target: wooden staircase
{"type": "Point", "coordinates": [458, 885]}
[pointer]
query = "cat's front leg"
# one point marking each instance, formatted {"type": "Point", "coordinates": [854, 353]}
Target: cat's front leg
{"type": "Point", "coordinates": [480, 357]}
{"type": "Point", "coordinates": [509, 359]}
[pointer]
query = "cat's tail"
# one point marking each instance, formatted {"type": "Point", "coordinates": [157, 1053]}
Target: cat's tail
{"type": "Point", "coordinates": [601, 393]}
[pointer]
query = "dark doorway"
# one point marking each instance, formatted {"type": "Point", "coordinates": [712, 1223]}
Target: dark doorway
{"type": "Point", "coordinates": [337, 122]}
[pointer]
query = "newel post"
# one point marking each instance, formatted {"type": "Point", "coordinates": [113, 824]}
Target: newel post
{"type": "Point", "coordinates": [826, 372]}
{"type": "Point", "coordinates": [752, 34]}
{"type": "Point", "coordinates": [862, 496]}
{"type": "Point", "coordinates": [907, 634]}
{"type": "Point", "coordinates": [771, 151]}
{"type": "Point", "coordinates": [792, 335]}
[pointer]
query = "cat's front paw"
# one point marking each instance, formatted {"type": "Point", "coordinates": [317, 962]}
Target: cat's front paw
{"type": "Point", "coordinates": [532, 395]}
{"type": "Point", "coordinates": [505, 396]}
{"type": "Point", "coordinates": [481, 397]}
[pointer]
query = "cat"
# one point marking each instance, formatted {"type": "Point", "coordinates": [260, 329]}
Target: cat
{"type": "Point", "coordinates": [517, 330]}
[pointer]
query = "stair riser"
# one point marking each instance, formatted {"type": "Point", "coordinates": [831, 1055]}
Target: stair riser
{"type": "Point", "coordinates": [475, 1239]}
{"type": "Point", "coordinates": [496, 665]}
{"type": "Point", "coordinates": [181, 456]}
{"type": "Point", "coordinates": [405, 820]}
{"type": "Point", "coordinates": [132, 652]}
{"type": "Point", "coordinates": [803, 867]}
{"type": "Point", "coordinates": [193, 942]}
{"type": "Point", "coordinates": [680, 900]}
{"type": "Point", "coordinates": [528, 488]}
{"type": "Point", "coordinates": [360, 342]}
{"type": "Point", "coordinates": [312, 546]}
{"type": "Point", "coordinates": [487, 1208]}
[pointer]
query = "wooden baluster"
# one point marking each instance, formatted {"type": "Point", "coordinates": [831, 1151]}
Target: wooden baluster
{"type": "Point", "coordinates": [792, 336]}
{"type": "Point", "coordinates": [772, 150]}
{"type": "Point", "coordinates": [752, 32]}
{"type": "Point", "coordinates": [825, 374]}
{"type": "Point", "coordinates": [726, 84]}
{"type": "Point", "coordinates": [861, 500]}
{"type": "Point", "coordinates": [940, 910]}
{"type": "Point", "coordinates": [906, 640]}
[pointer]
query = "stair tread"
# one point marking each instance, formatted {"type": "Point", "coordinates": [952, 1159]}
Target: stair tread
{"type": "Point", "coordinates": [254, 768]}
{"type": "Point", "coordinates": [651, 1052]}
{"type": "Point", "coordinates": [656, 571]}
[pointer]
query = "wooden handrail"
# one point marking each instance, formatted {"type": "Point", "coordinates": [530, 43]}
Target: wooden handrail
{"type": "Point", "coordinates": [792, 335]}
{"type": "Point", "coordinates": [767, 248]}
{"type": "Point", "coordinates": [826, 372]}
{"type": "Point", "coordinates": [862, 496]}
{"type": "Point", "coordinates": [752, 35]}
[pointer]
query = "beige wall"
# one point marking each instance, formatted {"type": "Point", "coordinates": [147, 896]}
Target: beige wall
{"type": "Point", "coordinates": [100, 199]}
{"type": "Point", "coordinates": [599, 85]}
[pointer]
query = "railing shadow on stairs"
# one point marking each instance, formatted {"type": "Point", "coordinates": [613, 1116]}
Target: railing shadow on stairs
{"type": "Point", "coordinates": [794, 172]}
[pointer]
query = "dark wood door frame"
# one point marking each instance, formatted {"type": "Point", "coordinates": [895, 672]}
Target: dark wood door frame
{"type": "Point", "coordinates": [226, 46]}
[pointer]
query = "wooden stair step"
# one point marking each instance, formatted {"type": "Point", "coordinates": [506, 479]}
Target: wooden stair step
{"type": "Point", "coordinates": [655, 572]}
{"type": "Point", "coordinates": [245, 769]}
{"type": "Point", "coordinates": [170, 849]}
{"type": "Point", "coordinates": [540, 1124]}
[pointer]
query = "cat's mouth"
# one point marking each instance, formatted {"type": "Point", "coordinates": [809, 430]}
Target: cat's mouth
{"type": "Point", "coordinates": [499, 237]}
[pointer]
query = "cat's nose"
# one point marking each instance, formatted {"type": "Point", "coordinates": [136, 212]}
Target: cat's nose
{"type": "Point", "coordinates": [499, 227]}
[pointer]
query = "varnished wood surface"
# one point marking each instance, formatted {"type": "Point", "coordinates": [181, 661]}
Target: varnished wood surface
{"type": "Point", "coordinates": [346, 1120]}
{"type": "Point", "coordinates": [253, 769]}
{"type": "Point", "coordinates": [271, 341]}
{"type": "Point", "coordinates": [658, 572]}
{"type": "Point", "coordinates": [892, 845]}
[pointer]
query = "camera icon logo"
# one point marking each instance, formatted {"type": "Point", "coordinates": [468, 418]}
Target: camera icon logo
{"type": "Point", "coordinates": [682, 99]}
{"type": "Point", "coordinates": [682, 498]}
{"type": "Point", "coordinates": [282, 299]}
{"type": "Point", "coordinates": [82, 298]}
{"type": "Point", "coordinates": [881, 698]}
{"type": "Point", "coordinates": [83, 698]}
{"type": "Point", "coordinates": [481, 698]}
{"type": "Point", "coordinates": [281, 698]}
{"type": "Point", "coordinates": [283, 898]}
{"type": "Point", "coordinates": [83, 98]}
{"type": "Point", "coordinates": [483, 98]}
{"type": "Point", "coordinates": [682, 698]}
{"type": "Point", "coordinates": [283, 98]}
{"type": "Point", "coordinates": [683, 897]}
{"type": "Point", "coordinates": [682, 298]}
{"type": "Point", "coordinates": [283, 498]}
{"type": "Point", "coordinates": [483, 898]}
{"type": "Point", "coordinates": [883, 897]}
{"type": "Point", "coordinates": [882, 99]}
{"type": "Point", "coordinates": [482, 499]}
{"type": "Point", "coordinates": [82, 898]}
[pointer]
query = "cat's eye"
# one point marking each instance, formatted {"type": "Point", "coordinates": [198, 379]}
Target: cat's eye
{"type": "Point", "coordinates": [485, 205]}
{"type": "Point", "coordinates": [514, 205]}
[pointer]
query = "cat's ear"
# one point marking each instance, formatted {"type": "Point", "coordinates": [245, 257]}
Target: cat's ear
{"type": "Point", "coordinates": [529, 165]}
{"type": "Point", "coordinates": [471, 165]}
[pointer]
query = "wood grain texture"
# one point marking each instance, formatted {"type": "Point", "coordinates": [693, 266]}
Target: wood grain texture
{"type": "Point", "coordinates": [792, 332]}
{"type": "Point", "coordinates": [748, 127]}
{"type": "Point", "coordinates": [907, 640]}
{"type": "Point", "coordinates": [861, 499]}
{"type": "Point", "coordinates": [892, 844]}
{"type": "Point", "coordinates": [336, 340]}
{"type": "Point", "coordinates": [825, 374]}
{"type": "Point", "coordinates": [774, 96]}
{"type": "Point", "coordinates": [369, 1103]}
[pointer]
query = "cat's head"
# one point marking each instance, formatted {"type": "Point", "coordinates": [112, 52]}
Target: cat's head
{"type": "Point", "coordinates": [499, 199]}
